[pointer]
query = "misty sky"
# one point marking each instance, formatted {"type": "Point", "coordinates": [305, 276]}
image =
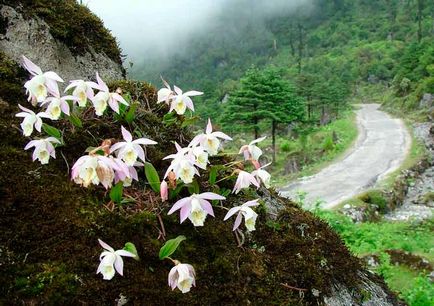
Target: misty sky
{"type": "Point", "coordinates": [159, 28]}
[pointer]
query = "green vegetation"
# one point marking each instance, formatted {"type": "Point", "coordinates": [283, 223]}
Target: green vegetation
{"type": "Point", "coordinates": [389, 243]}
{"type": "Point", "coordinates": [264, 96]}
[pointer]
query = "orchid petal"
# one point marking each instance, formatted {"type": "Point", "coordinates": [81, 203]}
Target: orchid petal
{"type": "Point", "coordinates": [237, 221]}
{"type": "Point", "coordinates": [105, 246]}
{"type": "Point", "coordinates": [232, 212]}
{"type": "Point", "coordinates": [192, 93]}
{"type": "Point", "coordinates": [185, 212]}
{"type": "Point", "coordinates": [126, 134]}
{"type": "Point", "coordinates": [207, 207]}
{"type": "Point", "coordinates": [210, 196]}
{"type": "Point", "coordinates": [221, 135]}
{"type": "Point", "coordinates": [178, 205]}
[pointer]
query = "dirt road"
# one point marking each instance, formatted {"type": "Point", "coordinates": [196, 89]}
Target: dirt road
{"type": "Point", "coordinates": [381, 146]}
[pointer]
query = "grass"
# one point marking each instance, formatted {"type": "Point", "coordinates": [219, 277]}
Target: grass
{"type": "Point", "coordinates": [376, 238]}
{"type": "Point", "coordinates": [312, 152]}
{"type": "Point", "coordinates": [317, 151]}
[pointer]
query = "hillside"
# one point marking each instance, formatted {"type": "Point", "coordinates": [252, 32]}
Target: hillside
{"type": "Point", "coordinates": [341, 44]}
{"type": "Point", "coordinates": [50, 225]}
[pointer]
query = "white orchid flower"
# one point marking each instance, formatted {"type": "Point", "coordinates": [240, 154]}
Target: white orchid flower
{"type": "Point", "coordinates": [56, 105]}
{"type": "Point", "coordinates": [201, 157]}
{"type": "Point", "coordinates": [165, 94]}
{"type": "Point", "coordinates": [30, 120]}
{"type": "Point", "coordinates": [181, 101]}
{"type": "Point", "coordinates": [182, 276]}
{"type": "Point", "coordinates": [111, 260]}
{"type": "Point", "coordinates": [183, 164]}
{"type": "Point", "coordinates": [130, 149]}
{"type": "Point", "coordinates": [251, 151]}
{"type": "Point", "coordinates": [83, 90]}
{"type": "Point", "coordinates": [244, 180]}
{"type": "Point", "coordinates": [196, 207]}
{"type": "Point", "coordinates": [263, 175]}
{"type": "Point", "coordinates": [209, 140]}
{"type": "Point", "coordinates": [41, 84]}
{"type": "Point", "coordinates": [244, 211]}
{"type": "Point", "coordinates": [104, 97]}
{"type": "Point", "coordinates": [44, 148]}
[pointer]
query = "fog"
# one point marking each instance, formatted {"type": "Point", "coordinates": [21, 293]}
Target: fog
{"type": "Point", "coordinates": [156, 29]}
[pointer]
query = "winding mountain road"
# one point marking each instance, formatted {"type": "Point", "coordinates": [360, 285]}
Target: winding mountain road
{"type": "Point", "coordinates": [382, 144]}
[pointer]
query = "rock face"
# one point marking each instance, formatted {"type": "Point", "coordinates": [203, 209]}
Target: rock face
{"type": "Point", "coordinates": [32, 38]}
{"type": "Point", "coordinates": [418, 197]}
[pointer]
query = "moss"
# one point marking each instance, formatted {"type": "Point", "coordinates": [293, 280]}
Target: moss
{"type": "Point", "coordinates": [11, 79]}
{"type": "Point", "coordinates": [50, 228]}
{"type": "Point", "coordinates": [73, 24]}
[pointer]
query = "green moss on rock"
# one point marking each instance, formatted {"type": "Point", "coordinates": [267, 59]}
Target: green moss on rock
{"type": "Point", "coordinates": [71, 23]}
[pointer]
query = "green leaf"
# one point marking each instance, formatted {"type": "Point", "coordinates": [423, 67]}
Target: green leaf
{"type": "Point", "coordinates": [170, 247]}
{"type": "Point", "coordinates": [52, 131]}
{"type": "Point", "coordinates": [116, 192]}
{"type": "Point", "coordinates": [130, 247]}
{"type": "Point", "coordinates": [75, 120]}
{"type": "Point", "coordinates": [193, 187]}
{"type": "Point", "coordinates": [176, 191]}
{"type": "Point", "coordinates": [189, 121]}
{"type": "Point", "coordinates": [169, 118]}
{"type": "Point", "coordinates": [130, 115]}
{"type": "Point", "coordinates": [213, 175]}
{"type": "Point", "coordinates": [152, 177]}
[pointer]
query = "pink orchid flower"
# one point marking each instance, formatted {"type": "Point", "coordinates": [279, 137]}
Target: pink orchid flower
{"type": "Point", "coordinates": [164, 191]}
{"type": "Point", "coordinates": [244, 211]}
{"type": "Point", "coordinates": [196, 207]}
{"type": "Point", "coordinates": [109, 258]}
{"type": "Point", "coordinates": [244, 180]}
{"type": "Point", "coordinates": [182, 276]}
{"type": "Point", "coordinates": [251, 151]}
{"type": "Point", "coordinates": [104, 97]}
{"type": "Point", "coordinates": [130, 149]}
{"type": "Point", "coordinates": [209, 140]}
{"type": "Point", "coordinates": [41, 83]}
{"type": "Point", "coordinates": [181, 101]}
{"type": "Point", "coordinates": [44, 148]}
{"type": "Point", "coordinates": [30, 120]}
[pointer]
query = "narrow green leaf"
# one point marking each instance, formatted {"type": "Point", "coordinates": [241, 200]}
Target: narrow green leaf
{"type": "Point", "coordinates": [189, 121]}
{"type": "Point", "coordinates": [52, 131]}
{"type": "Point", "coordinates": [193, 187]}
{"type": "Point", "coordinates": [130, 247]}
{"type": "Point", "coordinates": [213, 175]}
{"type": "Point", "coordinates": [75, 120]}
{"type": "Point", "coordinates": [176, 191]}
{"type": "Point", "coordinates": [116, 192]}
{"type": "Point", "coordinates": [130, 115]}
{"type": "Point", "coordinates": [169, 118]}
{"type": "Point", "coordinates": [170, 247]}
{"type": "Point", "coordinates": [152, 177]}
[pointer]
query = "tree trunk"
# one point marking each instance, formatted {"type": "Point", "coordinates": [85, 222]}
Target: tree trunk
{"type": "Point", "coordinates": [419, 19]}
{"type": "Point", "coordinates": [273, 135]}
{"type": "Point", "coordinates": [300, 46]}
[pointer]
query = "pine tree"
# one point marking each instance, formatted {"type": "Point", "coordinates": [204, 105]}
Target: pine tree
{"type": "Point", "coordinates": [264, 95]}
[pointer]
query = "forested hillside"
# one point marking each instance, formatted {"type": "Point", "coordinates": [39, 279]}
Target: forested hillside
{"type": "Point", "coordinates": [326, 48]}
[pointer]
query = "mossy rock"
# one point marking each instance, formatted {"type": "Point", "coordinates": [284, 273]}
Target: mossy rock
{"type": "Point", "coordinates": [72, 24]}
{"type": "Point", "coordinates": [50, 226]}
